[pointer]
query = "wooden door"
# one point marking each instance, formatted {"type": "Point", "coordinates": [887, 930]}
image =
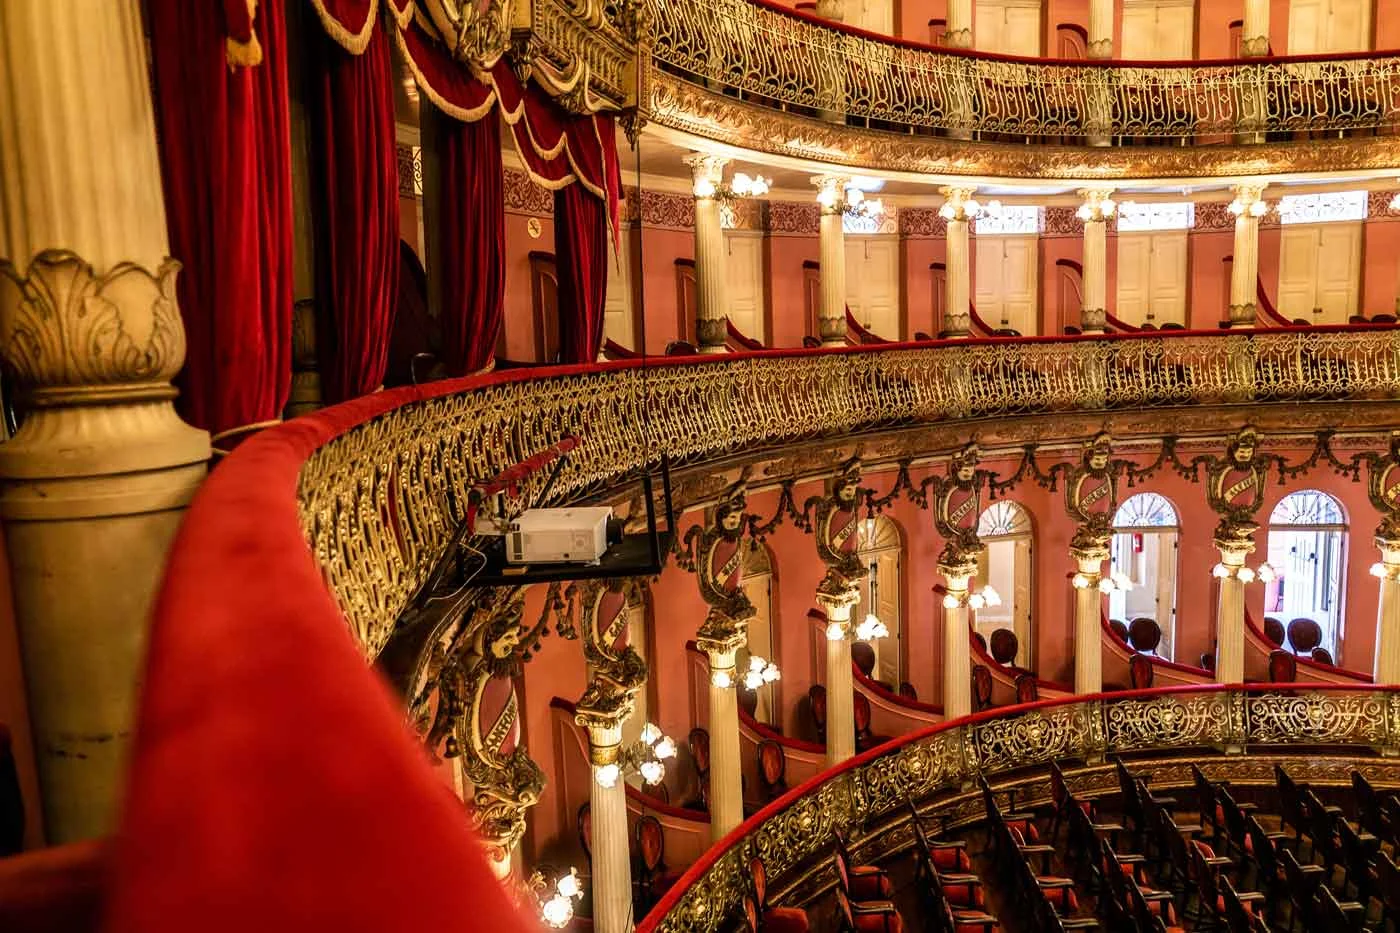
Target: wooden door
{"type": "Point", "coordinates": [888, 665]}
{"type": "Point", "coordinates": [938, 275]}
{"type": "Point", "coordinates": [1167, 277]}
{"type": "Point", "coordinates": [1320, 26]}
{"type": "Point", "coordinates": [1156, 30]}
{"type": "Point", "coordinates": [544, 294]}
{"type": "Point", "coordinates": [1008, 27]}
{"type": "Point", "coordinates": [812, 297]}
{"type": "Point", "coordinates": [1338, 271]}
{"type": "Point", "coordinates": [1297, 271]}
{"type": "Point", "coordinates": [1134, 276]}
{"type": "Point", "coordinates": [686, 304]}
{"type": "Point", "coordinates": [1007, 283]}
{"type": "Point", "coordinates": [872, 283]}
{"type": "Point", "coordinates": [744, 271]}
{"type": "Point", "coordinates": [617, 307]}
{"type": "Point", "coordinates": [1021, 602]}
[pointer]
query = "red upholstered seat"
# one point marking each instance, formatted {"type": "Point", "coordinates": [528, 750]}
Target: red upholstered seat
{"type": "Point", "coordinates": [965, 895]}
{"type": "Point", "coordinates": [870, 883]}
{"type": "Point", "coordinates": [1063, 898]}
{"type": "Point", "coordinates": [879, 922]}
{"type": "Point", "coordinates": [951, 859]}
{"type": "Point", "coordinates": [56, 890]}
{"type": "Point", "coordinates": [785, 920]}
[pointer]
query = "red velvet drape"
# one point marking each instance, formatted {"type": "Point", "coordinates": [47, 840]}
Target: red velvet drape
{"type": "Point", "coordinates": [226, 165]}
{"type": "Point", "coordinates": [357, 242]}
{"type": "Point", "coordinates": [581, 254]}
{"type": "Point", "coordinates": [473, 232]}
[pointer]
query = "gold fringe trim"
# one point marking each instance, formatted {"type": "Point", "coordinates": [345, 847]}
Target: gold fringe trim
{"type": "Point", "coordinates": [438, 101]}
{"type": "Point", "coordinates": [245, 54]}
{"type": "Point", "coordinates": [354, 43]}
{"type": "Point", "coordinates": [239, 431]}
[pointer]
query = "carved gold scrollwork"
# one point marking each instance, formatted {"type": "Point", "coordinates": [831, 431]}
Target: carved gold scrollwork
{"type": "Point", "coordinates": [477, 31]}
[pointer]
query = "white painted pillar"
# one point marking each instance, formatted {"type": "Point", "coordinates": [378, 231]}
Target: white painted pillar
{"type": "Point", "coordinates": [1088, 623]}
{"type": "Point", "coordinates": [97, 477]}
{"type": "Point", "coordinates": [1247, 207]}
{"type": "Point", "coordinates": [834, 10]}
{"type": "Point", "coordinates": [1254, 38]}
{"type": "Point", "coordinates": [726, 770]}
{"type": "Point", "coordinates": [959, 31]}
{"type": "Point", "coordinates": [957, 276]}
{"type": "Point", "coordinates": [831, 316]}
{"type": "Point", "coordinates": [1387, 666]}
{"type": "Point", "coordinates": [711, 284]}
{"type": "Point", "coordinates": [957, 642]}
{"type": "Point", "coordinates": [1100, 29]}
{"type": "Point", "coordinates": [1229, 615]}
{"type": "Point", "coordinates": [610, 849]}
{"type": "Point", "coordinates": [840, 685]}
{"type": "Point", "coordinates": [1098, 206]}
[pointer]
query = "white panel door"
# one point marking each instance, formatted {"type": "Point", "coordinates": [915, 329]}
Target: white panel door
{"type": "Point", "coordinates": [1317, 26]}
{"type": "Point", "coordinates": [1134, 275]}
{"type": "Point", "coordinates": [1297, 271]}
{"type": "Point", "coordinates": [1008, 27]}
{"type": "Point", "coordinates": [1167, 278]}
{"type": "Point", "coordinates": [875, 16]}
{"type": "Point", "coordinates": [744, 271]}
{"type": "Point", "coordinates": [872, 283]}
{"type": "Point", "coordinates": [1158, 29]}
{"type": "Point", "coordinates": [1307, 24]}
{"type": "Point", "coordinates": [1349, 27]}
{"type": "Point", "coordinates": [1338, 271]}
{"type": "Point", "coordinates": [617, 307]}
{"type": "Point", "coordinates": [1006, 292]}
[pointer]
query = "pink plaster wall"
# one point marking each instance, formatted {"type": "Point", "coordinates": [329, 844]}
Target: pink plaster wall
{"type": "Point", "coordinates": [519, 326]}
{"type": "Point", "coordinates": [1380, 272]}
{"type": "Point", "coordinates": [784, 255]}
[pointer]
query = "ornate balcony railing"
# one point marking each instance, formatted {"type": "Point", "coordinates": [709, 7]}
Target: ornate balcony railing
{"type": "Point", "coordinates": [801, 825]}
{"type": "Point", "coordinates": [379, 501]}
{"type": "Point", "coordinates": [784, 59]}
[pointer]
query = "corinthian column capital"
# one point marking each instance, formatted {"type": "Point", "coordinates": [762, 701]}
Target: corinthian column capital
{"type": "Point", "coordinates": [706, 173]}
{"type": "Point", "coordinates": [1098, 205]}
{"type": "Point", "coordinates": [831, 192]}
{"type": "Point", "coordinates": [958, 203]}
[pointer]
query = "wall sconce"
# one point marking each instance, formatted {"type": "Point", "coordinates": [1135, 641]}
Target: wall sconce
{"type": "Point", "coordinates": [1102, 210]}
{"type": "Point", "coordinates": [983, 598]}
{"type": "Point", "coordinates": [760, 672]}
{"type": "Point", "coordinates": [1116, 582]}
{"type": "Point", "coordinates": [646, 756]}
{"type": "Point", "coordinates": [1252, 208]}
{"type": "Point", "coordinates": [856, 204]}
{"type": "Point", "coordinates": [558, 909]}
{"type": "Point", "coordinates": [1264, 573]}
{"type": "Point", "coordinates": [740, 186]}
{"type": "Point", "coordinates": [972, 209]}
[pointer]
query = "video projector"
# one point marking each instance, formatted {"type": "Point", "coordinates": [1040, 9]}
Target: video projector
{"type": "Point", "coordinates": [580, 535]}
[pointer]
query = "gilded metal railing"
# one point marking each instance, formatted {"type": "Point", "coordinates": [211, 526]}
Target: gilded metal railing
{"type": "Point", "coordinates": [379, 502]}
{"type": "Point", "coordinates": [774, 56]}
{"type": "Point", "coordinates": [801, 825]}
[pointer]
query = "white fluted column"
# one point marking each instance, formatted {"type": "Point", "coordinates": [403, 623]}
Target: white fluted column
{"type": "Point", "coordinates": [726, 771]}
{"type": "Point", "coordinates": [957, 641]}
{"type": "Point", "coordinates": [1229, 614]}
{"type": "Point", "coordinates": [1100, 29]}
{"type": "Point", "coordinates": [1254, 37]}
{"type": "Point", "coordinates": [99, 473]}
{"type": "Point", "coordinates": [831, 316]}
{"type": "Point", "coordinates": [959, 28]}
{"type": "Point", "coordinates": [1098, 206]}
{"type": "Point", "coordinates": [1088, 623]}
{"type": "Point", "coordinates": [1248, 206]}
{"type": "Point", "coordinates": [610, 851]}
{"type": "Point", "coordinates": [834, 10]}
{"type": "Point", "coordinates": [957, 275]}
{"type": "Point", "coordinates": [840, 685]}
{"type": "Point", "coordinates": [711, 288]}
{"type": "Point", "coordinates": [1387, 666]}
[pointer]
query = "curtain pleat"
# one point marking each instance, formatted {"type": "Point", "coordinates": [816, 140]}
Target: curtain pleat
{"type": "Point", "coordinates": [357, 243]}
{"type": "Point", "coordinates": [581, 260]}
{"type": "Point", "coordinates": [226, 166]}
{"type": "Point", "coordinates": [473, 236]}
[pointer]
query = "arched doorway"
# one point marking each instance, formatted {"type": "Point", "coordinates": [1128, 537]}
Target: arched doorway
{"type": "Point", "coordinates": [1005, 565]}
{"type": "Point", "coordinates": [881, 552]}
{"type": "Point", "coordinates": [1146, 532]}
{"type": "Point", "coordinates": [1307, 545]}
{"type": "Point", "coordinates": [756, 576]}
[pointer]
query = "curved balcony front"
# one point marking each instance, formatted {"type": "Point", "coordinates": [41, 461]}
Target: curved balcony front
{"type": "Point", "coordinates": [750, 73]}
{"type": "Point", "coordinates": [867, 799]}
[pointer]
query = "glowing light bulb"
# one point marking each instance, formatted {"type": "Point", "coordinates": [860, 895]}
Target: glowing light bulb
{"type": "Point", "coordinates": [652, 771]}
{"type": "Point", "coordinates": [1258, 209]}
{"type": "Point", "coordinates": [557, 911]}
{"type": "Point", "coordinates": [1121, 580]}
{"type": "Point", "coordinates": [1106, 585]}
{"type": "Point", "coordinates": [704, 188]}
{"type": "Point", "coordinates": [666, 748]}
{"type": "Point", "coordinates": [947, 211]}
{"type": "Point", "coordinates": [771, 673]}
{"type": "Point", "coordinates": [1080, 581]}
{"type": "Point", "coordinates": [1266, 572]}
{"type": "Point", "coordinates": [1378, 569]}
{"type": "Point", "coordinates": [722, 679]}
{"type": "Point", "coordinates": [854, 196]}
{"type": "Point", "coordinates": [741, 184]}
{"type": "Point", "coordinates": [1083, 213]}
{"type": "Point", "coordinates": [760, 186]}
{"type": "Point", "coordinates": [992, 597]}
{"type": "Point", "coordinates": [650, 733]}
{"type": "Point", "coordinates": [753, 680]}
{"type": "Point", "coordinates": [1108, 206]}
{"type": "Point", "coordinates": [874, 207]}
{"type": "Point", "coordinates": [835, 631]}
{"type": "Point", "coordinates": [1245, 574]}
{"type": "Point", "coordinates": [756, 663]}
{"type": "Point", "coordinates": [607, 775]}
{"type": "Point", "coordinates": [976, 601]}
{"type": "Point", "coordinates": [950, 601]}
{"type": "Point", "coordinates": [568, 885]}
{"type": "Point", "coordinates": [1220, 571]}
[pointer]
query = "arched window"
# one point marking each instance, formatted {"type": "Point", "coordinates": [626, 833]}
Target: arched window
{"type": "Point", "coordinates": [881, 552]}
{"type": "Point", "coordinates": [1005, 565]}
{"type": "Point", "coordinates": [1307, 545]}
{"type": "Point", "coordinates": [756, 576]}
{"type": "Point", "coordinates": [1144, 548]}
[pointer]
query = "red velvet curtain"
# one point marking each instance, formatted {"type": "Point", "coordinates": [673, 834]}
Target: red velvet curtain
{"type": "Point", "coordinates": [472, 229]}
{"type": "Point", "coordinates": [226, 166]}
{"type": "Point", "coordinates": [357, 242]}
{"type": "Point", "coordinates": [581, 255]}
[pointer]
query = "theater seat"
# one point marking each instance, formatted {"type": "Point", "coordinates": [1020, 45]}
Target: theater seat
{"type": "Point", "coordinates": [55, 890]}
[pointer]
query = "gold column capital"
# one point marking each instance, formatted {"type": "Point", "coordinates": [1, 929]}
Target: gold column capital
{"type": "Point", "coordinates": [831, 192]}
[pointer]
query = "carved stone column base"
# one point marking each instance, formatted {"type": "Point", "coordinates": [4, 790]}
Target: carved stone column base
{"type": "Point", "coordinates": [1093, 320]}
{"type": "Point", "coordinates": [1242, 316]}
{"type": "Point", "coordinates": [1099, 49]}
{"type": "Point", "coordinates": [713, 335]}
{"type": "Point", "coordinates": [94, 484]}
{"type": "Point", "coordinates": [832, 331]}
{"type": "Point", "coordinates": [958, 39]}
